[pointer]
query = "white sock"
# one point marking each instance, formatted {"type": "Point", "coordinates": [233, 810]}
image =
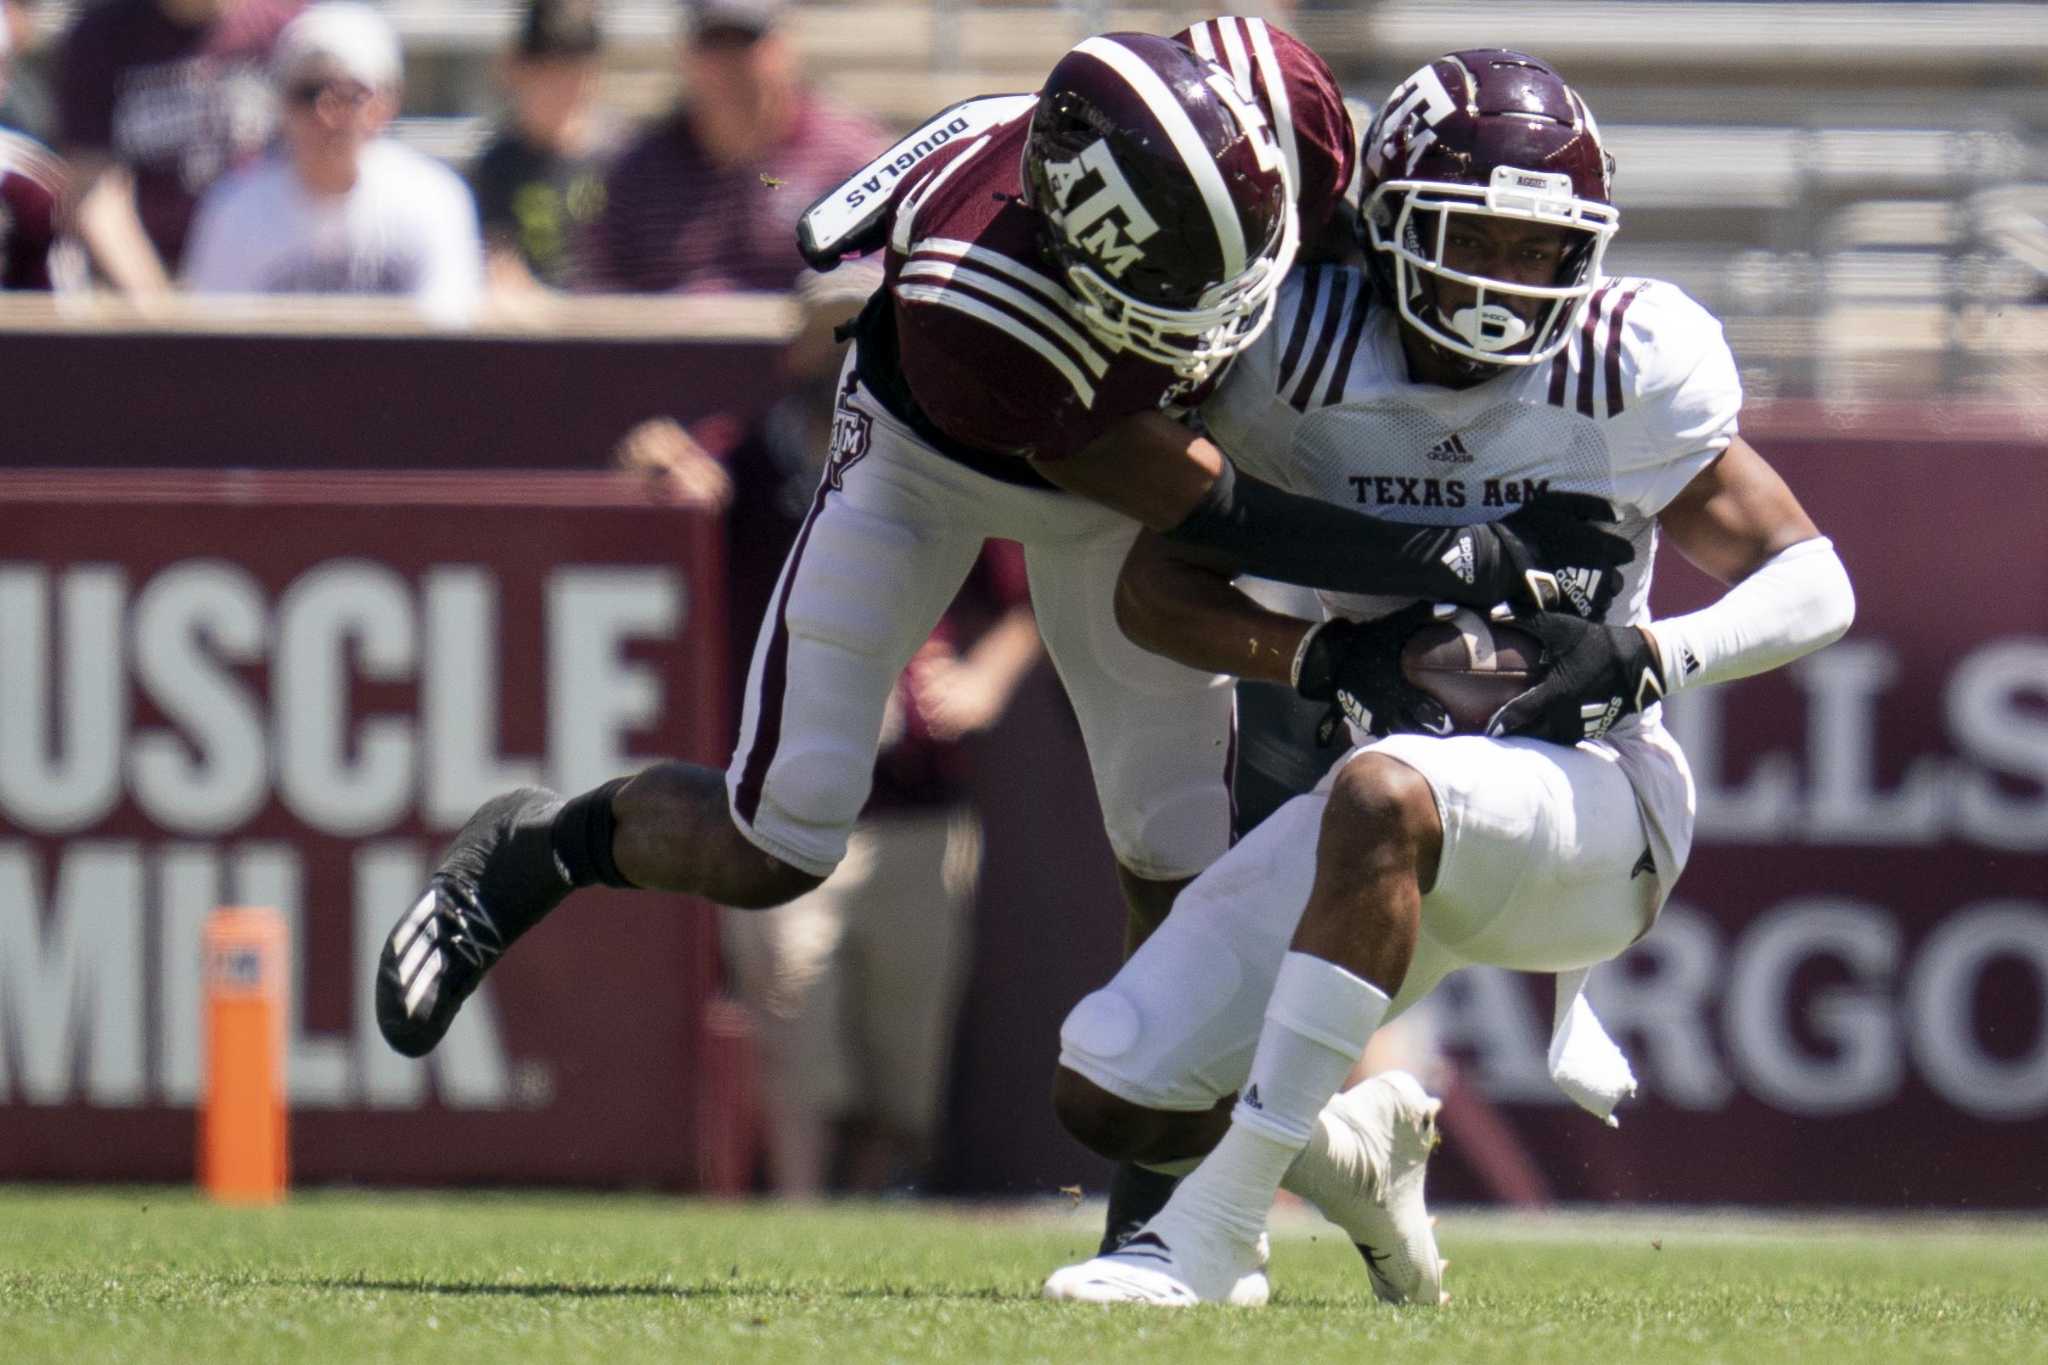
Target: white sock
{"type": "Point", "coordinates": [1328, 1172]}
{"type": "Point", "coordinates": [1317, 1023]}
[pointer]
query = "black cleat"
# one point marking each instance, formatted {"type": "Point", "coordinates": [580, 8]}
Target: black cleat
{"type": "Point", "coordinates": [433, 960]}
{"type": "Point", "coordinates": [439, 952]}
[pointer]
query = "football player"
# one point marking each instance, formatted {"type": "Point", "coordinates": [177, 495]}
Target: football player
{"type": "Point", "coordinates": [1481, 356]}
{"type": "Point", "coordinates": [1061, 270]}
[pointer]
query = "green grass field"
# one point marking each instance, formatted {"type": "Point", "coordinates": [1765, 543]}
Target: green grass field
{"type": "Point", "coordinates": [156, 1275]}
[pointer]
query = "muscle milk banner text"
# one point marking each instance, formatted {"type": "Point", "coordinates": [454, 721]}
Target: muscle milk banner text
{"type": "Point", "coordinates": [289, 690]}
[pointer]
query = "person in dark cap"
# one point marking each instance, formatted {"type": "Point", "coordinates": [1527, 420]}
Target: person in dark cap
{"type": "Point", "coordinates": [707, 197]}
{"type": "Point", "coordinates": [541, 177]}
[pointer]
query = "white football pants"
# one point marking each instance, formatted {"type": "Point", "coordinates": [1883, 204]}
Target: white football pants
{"type": "Point", "coordinates": [890, 536]}
{"type": "Point", "coordinates": [1545, 868]}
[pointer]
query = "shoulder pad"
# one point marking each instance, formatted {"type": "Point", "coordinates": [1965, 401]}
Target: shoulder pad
{"type": "Point", "coordinates": [848, 220]}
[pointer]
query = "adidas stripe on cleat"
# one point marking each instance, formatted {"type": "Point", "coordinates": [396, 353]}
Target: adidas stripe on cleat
{"type": "Point", "coordinates": [497, 879]}
{"type": "Point", "coordinates": [431, 963]}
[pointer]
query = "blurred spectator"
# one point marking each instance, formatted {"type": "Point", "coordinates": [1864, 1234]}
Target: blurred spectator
{"type": "Point", "coordinates": [339, 208]}
{"type": "Point", "coordinates": [24, 101]}
{"type": "Point", "coordinates": [708, 197]}
{"type": "Point", "coordinates": [540, 179]}
{"type": "Point", "coordinates": [31, 187]}
{"type": "Point", "coordinates": [855, 987]}
{"type": "Point", "coordinates": [155, 101]}
{"type": "Point", "coordinates": [31, 182]}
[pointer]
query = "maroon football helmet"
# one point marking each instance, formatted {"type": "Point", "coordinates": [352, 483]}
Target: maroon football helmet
{"type": "Point", "coordinates": [1500, 135]}
{"type": "Point", "coordinates": [1166, 200]}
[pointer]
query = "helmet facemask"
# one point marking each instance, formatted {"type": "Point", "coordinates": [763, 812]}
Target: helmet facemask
{"type": "Point", "coordinates": [1192, 340]}
{"type": "Point", "coordinates": [1408, 223]}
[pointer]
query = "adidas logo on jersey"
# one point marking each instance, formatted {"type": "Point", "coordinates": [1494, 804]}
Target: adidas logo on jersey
{"type": "Point", "coordinates": [1459, 558]}
{"type": "Point", "coordinates": [1450, 450]}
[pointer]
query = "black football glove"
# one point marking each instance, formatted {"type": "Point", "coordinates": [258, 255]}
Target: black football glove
{"type": "Point", "coordinates": [1592, 676]}
{"type": "Point", "coordinates": [1552, 555]}
{"type": "Point", "coordinates": [1357, 665]}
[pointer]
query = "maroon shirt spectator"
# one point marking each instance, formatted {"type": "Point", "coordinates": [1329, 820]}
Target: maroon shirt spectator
{"type": "Point", "coordinates": [708, 197]}
{"type": "Point", "coordinates": [175, 92]}
{"type": "Point", "coordinates": [31, 186]}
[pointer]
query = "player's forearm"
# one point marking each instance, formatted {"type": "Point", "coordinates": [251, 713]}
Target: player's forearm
{"type": "Point", "coordinates": [1006, 653]}
{"type": "Point", "coordinates": [1264, 530]}
{"type": "Point", "coordinates": [1797, 601]}
{"type": "Point", "coordinates": [1175, 482]}
{"type": "Point", "coordinates": [1193, 615]}
{"type": "Point", "coordinates": [104, 217]}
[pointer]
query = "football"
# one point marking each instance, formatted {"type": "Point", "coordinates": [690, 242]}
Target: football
{"type": "Point", "coordinates": [1471, 665]}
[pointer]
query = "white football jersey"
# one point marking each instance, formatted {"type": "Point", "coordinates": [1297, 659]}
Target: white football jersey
{"type": "Point", "coordinates": [1642, 399]}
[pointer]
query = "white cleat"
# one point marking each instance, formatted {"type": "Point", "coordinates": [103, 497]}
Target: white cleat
{"type": "Point", "coordinates": [1394, 1121]}
{"type": "Point", "coordinates": [1148, 1269]}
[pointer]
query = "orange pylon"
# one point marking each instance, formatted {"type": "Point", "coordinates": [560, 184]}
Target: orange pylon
{"type": "Point", "coordinates": [242, 1107]}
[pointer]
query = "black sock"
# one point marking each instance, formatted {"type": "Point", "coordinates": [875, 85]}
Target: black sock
{"type": "Point", "coordinates": [1135, 1194]}
{"type": "Point", "coordinates": [506, 853]}
{"type": "Point", "coordinates": [582, 837]}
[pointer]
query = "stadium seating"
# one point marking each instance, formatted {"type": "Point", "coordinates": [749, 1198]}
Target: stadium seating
{"type": "Point", "coordinates": [1795, 165]}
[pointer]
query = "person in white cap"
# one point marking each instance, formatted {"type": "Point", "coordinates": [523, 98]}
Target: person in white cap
{"type": "Point", "coordinates": [339, 208]}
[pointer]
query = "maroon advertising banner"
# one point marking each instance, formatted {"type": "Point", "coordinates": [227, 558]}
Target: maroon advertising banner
{"type": "Point", "coordinates": [289, 690]}
{"type": "Point", "coordinates": [1846, 1001]}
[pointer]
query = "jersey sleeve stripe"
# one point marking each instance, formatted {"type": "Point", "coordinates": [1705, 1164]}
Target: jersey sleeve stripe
{"type": "Point", "coordinates": [996, 262]}
{"type": "Point", "coordinates": [950, 276]}
{"type": "Point", "coordinates": [1560, 370]}
{"type": "Point", "coordinates": [1340, 376]}
{"type": "Point", "coordinates": [1282, 107]}
{"type": "Point", "coordinates": [1589, 339]}
{"type": "Point", "coordinates": [1187, 144]}
{"type": "Point", "coordinates": [1333, 314]}
{"type": "Point", "coordinates": [1006, 323]}
{"type": "Point", "coordinates": [1614, 396]}
{"type": "Point", "coordinates": [1202, 40]}
{"type": "Point", "coordinates": [31, 160]}
{"type": "Point", "coordinates": [1304, 313]}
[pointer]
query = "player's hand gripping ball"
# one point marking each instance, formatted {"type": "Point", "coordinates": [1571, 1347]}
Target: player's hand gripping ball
{"type": "Point", "coordinates": [1427, 670]}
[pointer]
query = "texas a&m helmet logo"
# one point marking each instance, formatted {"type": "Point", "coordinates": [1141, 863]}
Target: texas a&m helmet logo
{"type": "Point", "coordinates": [1111, 224]}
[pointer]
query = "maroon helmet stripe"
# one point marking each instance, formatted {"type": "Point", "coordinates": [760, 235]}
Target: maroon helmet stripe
{"type": "Point", "coordinates": [1614, 351]}
{"type": "Point", "coordinates": [1589, 337]}
{"type": "Point", "coordinates": [1303, 314]}
{"type": "Point", "coordinates": [1325, 339]}
{"type": "Point", "coordinates": [1342, 374]}
{"type": "Point", "coordinates": [774, 676]}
